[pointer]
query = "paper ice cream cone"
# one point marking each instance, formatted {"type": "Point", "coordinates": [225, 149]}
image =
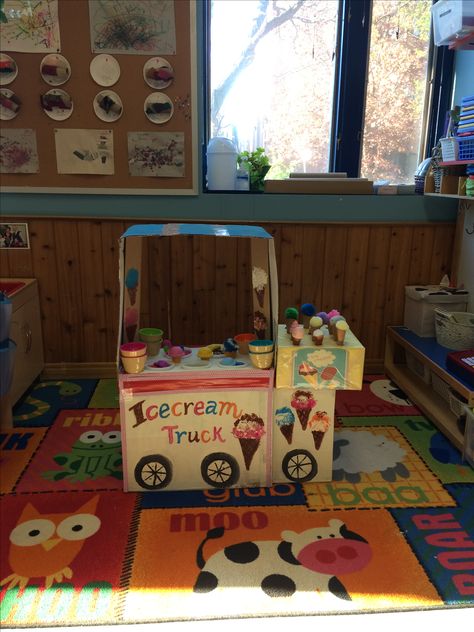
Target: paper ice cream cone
{"type": "Point", "coordinates": [303, 416]}
{"type": "Point", "coordinates": [318, 436]}
{"type": "Point", "coordinates": [260, 293]}
{"type": "Point", "coordinates": [287, 432]}
{"type": "Point", "coordinates": [295, 341]}
{"type": "Point", "coordinates": [132, 294]}
{"type": "Point", "coordinates": [130, 331]}
{"type": "Point", "coordinates": [249, 447]}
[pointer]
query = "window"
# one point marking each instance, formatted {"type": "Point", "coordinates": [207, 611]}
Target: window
{"type": "Point", "coordinates": [327, 85]}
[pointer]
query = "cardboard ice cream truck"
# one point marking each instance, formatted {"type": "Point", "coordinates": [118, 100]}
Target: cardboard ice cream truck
{"type": "Point", "coordinates": [226, 415]}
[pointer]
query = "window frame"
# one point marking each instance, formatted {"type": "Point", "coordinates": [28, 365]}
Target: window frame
{"type": "Point", "coordinates": [350, 86]}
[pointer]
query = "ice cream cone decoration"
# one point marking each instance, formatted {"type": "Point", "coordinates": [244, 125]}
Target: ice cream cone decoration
{"type": "Point", "coordinates": [303, 403]}
{"type": "Point", "coordinates": [248, 429]}
{"type": "Point", "coordinates": [309, 372]}
{"type": "Point", "coordinates": [204, 354]}
{"type": "Point", "coordinates": [259, 283]}
{"type": "Point", "coordinates": [308, 310]}
{"type": "Point", "coordinates": [291, 316]}
{"type": "Point", "coordinates": [131, 284]}
{"type": "Point", "coordinates": [318, 337]}
{"type": "Point", "coordinates": [176, 353]}
{"type": "Point", "coordinates": [131, 323]}
{"type": "Point", "coordinates": [260, 325]}
{"type": "Point", "coordinates": [230, 348]}
{"type": "Point", "coordinates": [316, 322]}
{"type": "Point", "coordinates": [319, 425]}
{"type": "Point", "coordinates": [297, 333]}
{"type": "Point", "coordinates": [341, 330]}
{"type": "Point", "coordinates": [285, 420]}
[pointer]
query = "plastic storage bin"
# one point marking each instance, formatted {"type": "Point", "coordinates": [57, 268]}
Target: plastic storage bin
{"type": "Point", "coordinates": [466, 148]}
{"type": "Point", "coordinates": [421, 301]}
{"type": "Point", "coordinates": [452, 19]}
{"type": "Point", "coordinates": [221, 164]}
{"type": "Point", "coordinates": [449, 149]}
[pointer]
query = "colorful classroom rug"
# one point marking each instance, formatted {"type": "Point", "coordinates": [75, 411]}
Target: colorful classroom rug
{"type": "Point", "coordinates": [392, 531]}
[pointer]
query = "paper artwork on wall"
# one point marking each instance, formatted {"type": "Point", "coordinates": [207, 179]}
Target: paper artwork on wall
{"type": "Point", "coordinates": [108, 106]}
{"type": "Point", "coordinates": [18, 152]}
{"type": "Point", "coordinates": [158, 108]}
{"type": "Point", "coordinates": [105, 70]}
{"type": "Point", "coordinates": [8, 69]}
{"type": "Point", "coordinates": [31, 27]}
{"type": "Point", "coordinates": [85, 151]}
{"type": "Point", "coordinates": [156, 154]}
{"type": "Point", "coordinates": [134, 27]}
{"type": "Point", "coordinates": [55, 69]}
{"type": "Point", "coordinates": [57, 104]}
{"type": "Point", "coordinates": [158, 73]}
{"type": "Point", "coordinates": [10, 104]}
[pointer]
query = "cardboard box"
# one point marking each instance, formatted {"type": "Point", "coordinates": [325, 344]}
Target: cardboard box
{"type": "Point", "coordinates": [335, 367]}
{"type": "Point", "coordinates": [321, 186]}
{"type": "Point", "coordinates": [180, 423]}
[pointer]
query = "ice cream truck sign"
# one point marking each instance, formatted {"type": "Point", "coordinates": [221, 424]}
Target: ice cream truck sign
{"type": "Point", "coordinates": [211, 433]}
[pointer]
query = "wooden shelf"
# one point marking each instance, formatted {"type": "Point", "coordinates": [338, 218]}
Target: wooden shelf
{"type": "Point", "coordinates": [451, 195]}
{"type": "Point", "coordinates": [451, 163]}
{"type": "Point", "coordinates": [421, 393]}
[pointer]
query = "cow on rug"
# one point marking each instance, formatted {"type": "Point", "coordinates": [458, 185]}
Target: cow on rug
{"type": "Point", "coordinates": [307, 561]}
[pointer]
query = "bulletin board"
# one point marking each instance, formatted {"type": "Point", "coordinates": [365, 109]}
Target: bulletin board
{"type": "Point", "coordinates": [144, 142]}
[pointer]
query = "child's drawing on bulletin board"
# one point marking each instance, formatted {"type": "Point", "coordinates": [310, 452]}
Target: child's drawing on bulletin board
{"type": "Point", "coordinates": [31, 27]}
{"type": "Point", "coordinates": [139, 27]}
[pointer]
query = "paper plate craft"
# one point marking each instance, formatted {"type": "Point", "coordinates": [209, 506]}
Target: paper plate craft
{"type": "Point", "coordinates": [8, 69]}
{"type": "Point", "coordinates": [158, 107]}
{"type": "Point", "coordinates": [105, 70]}
{"type": "Point", "coordinates": [196, 364]}
{"type": "Point", "coordinates": [159, 365]}
{"type": "Point", "coordinates": [108, 106]}
{"type": "Point", "coordinates": [158, 73]}
{"type": "Point", "coordinates": [10, 105]}
{"type": "Point", "coordinates": [55, 69]}
{"type": "Point", "coordinates": [57, 104]}
{"type": "Point", "coordinates": [232, 363]}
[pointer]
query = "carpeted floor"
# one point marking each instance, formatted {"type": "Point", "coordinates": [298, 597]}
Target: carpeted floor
{"type": "Point", "coordinates": [76, 550]}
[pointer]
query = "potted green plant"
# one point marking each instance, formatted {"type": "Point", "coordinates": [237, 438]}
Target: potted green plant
{"type": "Point", "coordinates": [257, 164]}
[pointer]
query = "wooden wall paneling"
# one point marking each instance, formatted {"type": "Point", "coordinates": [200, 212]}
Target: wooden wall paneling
{"type": "Point", "coordinates": [111, 233]}
{"type": "Point", "coordinates": [443, 246]}
{"type": "Point", "coordinates": [69, 289]}
{"type": "Point", "coordinates": [312, 263]}
{"type": "Point", "coordinates": [92, 278]}
{"type": "Point", "coordinates": [43, 251]}
{"type": "Point", "coordinates": [205, 295]}
{"type": "Point", "coordinates": [420, 256]}
{"type": "Point", "coordinates": [244, 317]}
{"type": "Point", "coordinates": [181, 247]}
{"type": "Point", "coordinates": [397, 274]}
{"type": "Point", "coordinates": [5, 263]}
{"type": "Point", "coordinates": [334, 265]}
{"type": "Point", "coordinates": [159, 274]}
{"type": "Point", "coordinates": [291, 266]}
{"type": "Point", "coordinates": [372, 332]}
{"type": "Point", "coordinates": [355, 271]}
{"type": "Point", "coordinates": [226, 302]}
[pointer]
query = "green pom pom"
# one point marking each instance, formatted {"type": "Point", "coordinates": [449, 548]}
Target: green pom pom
{"type": "Point", "coordinates": [291, 312]}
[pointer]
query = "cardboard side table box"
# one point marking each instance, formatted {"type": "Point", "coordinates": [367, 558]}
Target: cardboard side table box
{"type": "Point", "coordinates": [177, 424]}
{"type": "Point", "coordinates": [307, 378]}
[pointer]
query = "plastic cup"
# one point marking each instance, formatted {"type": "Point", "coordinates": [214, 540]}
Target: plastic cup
{"type": "Point", "coordinates": [261, 360]}
{"type": "Point", "coordinates": [261, 346]}
{"type": "Point", "coordinates": [243, 341]}
{"type": "Point", "coordinates": [153, 338]}
{"type": "Point", "coordinates": [133, 349]}
{"type": "Point", "coordinates": [134, 365]}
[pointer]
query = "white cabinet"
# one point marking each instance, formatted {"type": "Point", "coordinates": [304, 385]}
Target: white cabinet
{"type": "Point", "coordinates": [25, 331]}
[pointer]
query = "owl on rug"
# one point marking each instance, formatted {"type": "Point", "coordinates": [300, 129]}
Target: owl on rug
{"type": "Point", "coordinates": [44, 545]}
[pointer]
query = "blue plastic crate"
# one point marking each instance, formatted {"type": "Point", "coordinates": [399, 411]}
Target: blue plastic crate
{"type": "Point", "coordinates": [466, 148]}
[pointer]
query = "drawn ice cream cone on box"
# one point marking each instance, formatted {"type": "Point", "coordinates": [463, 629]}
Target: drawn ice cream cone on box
{"type": "Point", "coordinates": [131, 284]}
{"type": "Point", "coordinates": [319, 425]}
{"type": "Point", "coordinates": [259, 283]}
{"type": "Point", "coordinates": [285, 420]}
{"type": "Point", "coordinates": [260, 325]}
{"type": "Point", "coordinates": [248, 429]}
{"type": "Point", "coordinates": [131, 323]}
{"type": "Point", "coordinates": [303, 403]}
{"type": "Point", "coordinates": [309, 372]}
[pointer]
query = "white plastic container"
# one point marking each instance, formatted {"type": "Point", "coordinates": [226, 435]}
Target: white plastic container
{"type": "Point", "coordinates": [452, 19]}
{"type": "Point", "coordinates": [221, 164]}
{"type": "Point", "coordinates": [421, 302]}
